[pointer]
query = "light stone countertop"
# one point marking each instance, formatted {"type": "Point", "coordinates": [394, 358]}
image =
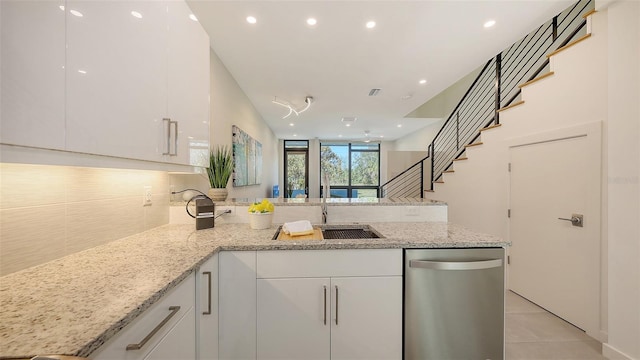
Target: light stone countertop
{"type": "Point", "coordinates": [73, 305]}
{"type": "Point", "coordinates": [331, 202]}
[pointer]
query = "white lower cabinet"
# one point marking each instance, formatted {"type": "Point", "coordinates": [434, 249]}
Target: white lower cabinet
{"type": "Point", "coordinates": [353, 312]}
{"type": "Point", "coordinates": [165, 331]}
{"type": "Point", "coordinates": [237, 305]}
{"type": "Point", "coordinates": [207, 309]}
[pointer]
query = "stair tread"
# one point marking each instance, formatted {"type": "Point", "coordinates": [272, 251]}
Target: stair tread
{"type": "Point", "coordinates": [460, 159]}
{"type": "Point", "coordinates": [439, 182]}
{"type": "Point", "coordinates": [593, 11]}
{"type": "Point", "coordinates": [474, 144]}
{"type": "Point", "coordinates": [491, 127]}
{"type": "Point", "coordinates": [569, 45]}
{"type": "Point", "coordinates": [550, 73]}
{"type": "Point", "coordinates": [429, 191]}
{"type": "Point", "coordinates": [448, 171]}
{"type": "Point", "coordinates": [510, 106]}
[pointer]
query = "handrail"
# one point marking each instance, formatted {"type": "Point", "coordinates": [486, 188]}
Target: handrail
{"type": "Point", "coordinates": [477, 109]}
{"type": "Point", "coordinates": [406, 171]}
{"type": "Point", "coordinates": [495, 87]}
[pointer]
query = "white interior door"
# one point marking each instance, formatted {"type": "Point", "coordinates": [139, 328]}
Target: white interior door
{"type": "Point", "coordinates": [553, 263]}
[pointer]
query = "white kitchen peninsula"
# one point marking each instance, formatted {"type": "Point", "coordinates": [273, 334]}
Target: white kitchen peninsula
{"type": "Point", "coordinates": [75, 304]}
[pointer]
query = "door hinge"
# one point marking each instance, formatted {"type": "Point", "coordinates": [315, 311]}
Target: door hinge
{"type": "Point", "coordinates": [509, 167]}
{"type": "Point", "coordinates": [509, 213]}
{"type": "Point", "coordinates": [508, 260]}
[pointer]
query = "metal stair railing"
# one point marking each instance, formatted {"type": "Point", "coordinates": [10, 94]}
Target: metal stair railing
{"type": "Point", "coordinates": [407, 184]}
{"type": "Point", "coordinates": [497, 85]}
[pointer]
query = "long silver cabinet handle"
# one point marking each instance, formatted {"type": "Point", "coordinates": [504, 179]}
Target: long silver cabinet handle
{"type": "Point", "coordinates": [208, 312]}
{"type": "Point", "coordinates": [168, 122]}
{"type": "Point", "coordinates": [175, 140]}
{"type": "Point", "coordinates": [174, 310]}
{"type": "Point", "coordinates": [455, 265]}
{"type": "Point", "coordinates": [324, 316]}
{"type": "Point", "coordinates": [336, 304]}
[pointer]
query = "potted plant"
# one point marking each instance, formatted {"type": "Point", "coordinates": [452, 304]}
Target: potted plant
{"type": "Point", "coordinates": [261, 215]}
{"type": "Point", "coordinates": [219, 171]}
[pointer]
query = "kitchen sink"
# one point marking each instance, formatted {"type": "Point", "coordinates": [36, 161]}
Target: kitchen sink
{"type": "Point", "coordinates": [340, 232]}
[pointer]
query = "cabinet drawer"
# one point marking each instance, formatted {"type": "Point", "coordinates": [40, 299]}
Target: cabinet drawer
{"type": "Point", "coordinates": [183, 295]}
{"type": "Point", "coordinates": [329, 263]}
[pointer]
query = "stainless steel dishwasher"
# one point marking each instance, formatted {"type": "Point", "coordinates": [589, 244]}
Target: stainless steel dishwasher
{"type": "Point", "coordinates": [454, 304]}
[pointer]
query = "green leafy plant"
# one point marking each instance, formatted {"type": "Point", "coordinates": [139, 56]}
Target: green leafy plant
{"type": "Point", "coordinates": [220, 167]}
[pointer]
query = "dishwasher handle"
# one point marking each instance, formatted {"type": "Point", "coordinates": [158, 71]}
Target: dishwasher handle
{"type": "Point", "coordinates": [455, 265]}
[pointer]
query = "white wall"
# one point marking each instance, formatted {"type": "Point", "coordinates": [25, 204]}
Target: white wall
{"type": "Point", "coordinates": [418, 140]}
{"type": "Point", "coordinates": [230, 106]}
{"type": "Point", "coordinates": [623, 178]}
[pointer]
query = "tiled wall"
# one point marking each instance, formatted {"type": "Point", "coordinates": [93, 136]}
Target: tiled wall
{"type": "Point", "coordinates": [47, 212]}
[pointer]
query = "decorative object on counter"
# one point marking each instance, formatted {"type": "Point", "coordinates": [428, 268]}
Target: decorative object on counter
{"type": "Point", "coordinates": [205, 209]}
{"type": "Point", "coordinates": [247, 159]}
{"type": "Point", "coordinates": [261, 215]}
{"type": "Point", "coordinates": [219, 171]}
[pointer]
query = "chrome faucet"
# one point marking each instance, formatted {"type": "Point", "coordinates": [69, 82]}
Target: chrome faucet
{"type": "Point", "coordinates": [325, 195]}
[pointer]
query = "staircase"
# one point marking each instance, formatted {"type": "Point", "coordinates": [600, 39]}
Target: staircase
{"type": "Point", "coordinates": [497, 88]}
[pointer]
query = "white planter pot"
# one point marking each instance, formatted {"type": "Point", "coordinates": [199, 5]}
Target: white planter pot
{"type": "Point", "coordinates": [218, 194]}
{"type": "Point", "coordinates": [259, 221]}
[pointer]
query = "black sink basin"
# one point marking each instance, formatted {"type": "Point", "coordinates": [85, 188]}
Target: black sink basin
{"type": "Point", "coordinates": [340, 232]}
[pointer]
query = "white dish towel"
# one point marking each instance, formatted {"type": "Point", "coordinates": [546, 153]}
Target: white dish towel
{"type": "Point", "coordinates": [298, 228]}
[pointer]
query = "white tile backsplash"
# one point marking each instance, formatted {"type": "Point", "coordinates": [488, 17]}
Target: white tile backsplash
{"type": "Point", "coordinates": [51, 211]}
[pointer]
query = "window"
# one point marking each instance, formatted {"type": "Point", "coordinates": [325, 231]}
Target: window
{"type": "Point", "coordinates": [296, 168]}
{"type": "Point", "coordinates": [353, 169]}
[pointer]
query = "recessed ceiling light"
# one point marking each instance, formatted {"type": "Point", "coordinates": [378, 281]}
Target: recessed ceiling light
{"type": "Point", "coordinates": [311, 21]}
{"type": "Point", "coordinates": [399, 125]}
{"type": "Point", "coordinates": [340, 135]}
{"type": "Point", "coordinates": [423, 81]}
{"type": "Point", "coordinates": [136, 14]}
{"type": "Point", "coordinates": [193, 17]}
{"type": "Point", "coordinates": [371, 24]}
{"type": "Point", "coordinates": [295, 135]}
{"type": "Point", "coordinates": [76, 13]}
{"type": "Point", "coordinates": [251, 20]}
{"type": "Point", "coordinates": [61, 7]}
{"type": "Point", "coordinates": [290, 124]}
{"type": "Point", "coordinates": [489, 23]}
{"type": "Point", "coordinates": [82, 72]}
{"type": "Point", "coordinates": [347, 125]}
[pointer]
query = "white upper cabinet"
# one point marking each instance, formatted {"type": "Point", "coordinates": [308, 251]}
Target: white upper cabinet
{"type": "Point", "coordinates": [32, 75]}
{"type": "Point", "coordinates": [128, 79]}
{"type": "Point", "coordinates": [116, 77]}
{"type": "Point", "coordinates": [188, 80]}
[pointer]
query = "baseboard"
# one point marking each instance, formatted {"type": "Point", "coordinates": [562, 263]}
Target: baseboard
{"type": "Point", "coordinates": [614, 354]}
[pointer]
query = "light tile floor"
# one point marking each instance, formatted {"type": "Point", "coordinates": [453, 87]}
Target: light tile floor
{"type": "Point", "coordinates": [535, 334]}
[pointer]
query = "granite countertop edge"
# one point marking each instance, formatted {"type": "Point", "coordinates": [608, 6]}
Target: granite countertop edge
{"type": "Point", "coordinates": [202, 245]}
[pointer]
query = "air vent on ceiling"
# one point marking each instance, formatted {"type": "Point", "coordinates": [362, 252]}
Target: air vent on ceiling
{"type": "Point", "coordinates": [374, 92]}
{"type": "Point", "coordinates": [348, 121]}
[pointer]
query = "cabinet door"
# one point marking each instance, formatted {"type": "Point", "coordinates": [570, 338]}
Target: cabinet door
{"type": "Point", "coordinates": [175, 305]}
{"type": "Point", "coordinates": [179, 343]}
{"type": "Point", "coordinates": [237, 308]}
{"type": "Point", "coordinates": [116, 77]}
{"type": "Point", "coordinates": [293, 318]}
{"type": "Point", "coordinates": [366, 321]}
{"type": "Point", "coordinates": [207, 309]}
{"type": "Point", "coordinates": [188, 80]}
{"type": "Point", "coordinates": [32, 75]}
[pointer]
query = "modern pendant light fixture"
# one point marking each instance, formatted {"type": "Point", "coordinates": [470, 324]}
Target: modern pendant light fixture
{"type": "Point", "coordinates": [293, 110]}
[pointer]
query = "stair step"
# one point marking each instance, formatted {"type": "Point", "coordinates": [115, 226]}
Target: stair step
{"type": "Point", "coordinates": [474, 144]}
{"type": "Point", "coordinates": [448, 171]}
{"type": "Point", "coordinates": [511, 106]}
{"type": "Point", "coordinates": [536, 79]}
{"type": "Point", "coordinates": [439, 182]}
{"type": "Point", "coordinates": [491, 127]}
{"type": "Point", "coordinates": [569, 45]}
{"type": "Point", "coordinates": [429, 191]}
{"type": "Point", "coordinates": [593, 11]}
{"type": "Point", "coordinates": [460, 159]}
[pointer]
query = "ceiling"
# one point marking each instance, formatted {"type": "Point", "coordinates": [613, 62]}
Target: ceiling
{"type": "Point", "coordinates": [338, 60]}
